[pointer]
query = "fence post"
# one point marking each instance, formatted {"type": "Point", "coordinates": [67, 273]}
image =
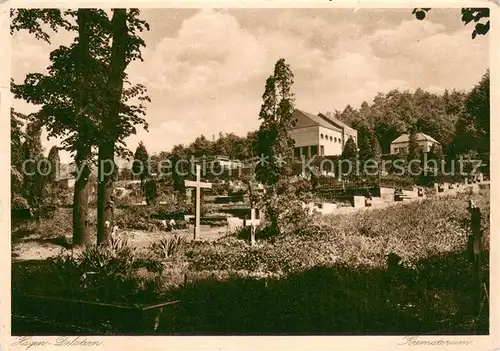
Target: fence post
{"type": "Point", "coordinates": [475, 251]}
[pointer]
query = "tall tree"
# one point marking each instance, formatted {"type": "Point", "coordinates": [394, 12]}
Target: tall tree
{"type": "Point", "coordinates": [177, 178]}
{"type": "Point", "coordinates": [116, 123]}
{"type": "Point", "coordinates": [16, 152]}
{"type": "Point", "coordinates": [65, 95]}
{"type": "Point", "coordinates": [106, 160]}
{"type": "Point", "coordinates": [200, 147]}
{"type": "Point", "coordinates": [273, 143]}
{"type": "Point", "coordinates": [140, 166]}
{"type": "Point", "coordinates": [349, 157]}
{"type": "Point", "coordinates": [473, 126]}
{"type": "Point", "coordinates": [377, 152]}
{"type": "Point", "coordinates": [477, 106]}
{"type": "Point", "coordinates": [55, 164]}
{"type": "Point", "coordinates": [73, 94]}
{"type": "Point", "coordinates": [150, 190]}
{"type": "Point", "coordinates": [436, 154]}
{"type": "Point", "coordinates": [365, 142]}
{"type": "Point", "coordinates": [414, 152]}
{"type": "Point", "coordinates": [34, 181]}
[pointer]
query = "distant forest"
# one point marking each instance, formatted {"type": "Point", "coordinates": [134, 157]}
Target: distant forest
{"type": "Point", "coordinates": [459, 120]}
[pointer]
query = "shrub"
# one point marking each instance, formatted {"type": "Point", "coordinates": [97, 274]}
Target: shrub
{"type": "Point", "coordinates": [168, 247]}
{"type": "Point", "coordinates": [60, 224]}
{"type": "Point", "coordinates": [116, 258]}
{"type": "Point", "coordinates": [111, 273]}
{"type": "Point", "coordinates": [432, 227]}
{"type": "Point", "coordinates": [135, 217]}
{"type": "Point", "coordinates": [284, 209]}
{"type": "Point", "coordinates": [19, 203]}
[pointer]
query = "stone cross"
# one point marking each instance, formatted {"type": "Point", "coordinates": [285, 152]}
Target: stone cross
{"type": "Point", "coordinates": [198, 185]}
{"type": "Point", "coordinates": [252, 222]}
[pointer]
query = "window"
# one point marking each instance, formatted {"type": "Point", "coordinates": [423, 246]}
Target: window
{"type": "Point", "coordinates": [331, 139]}
{"type": "Point", "coordinates": [296, 152]}
{"type": "Point", "coordinates": [314, 150]}
{"type": "Point", "coordinates": [322, 150]}
{"type": "Point", "coordinates": [326, 137]}
{"type": "Point", "coordinates": [335, 139]}
{"type": "Point", "coordinates": [322, 136]}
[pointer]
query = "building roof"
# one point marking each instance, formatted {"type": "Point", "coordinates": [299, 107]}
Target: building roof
{"type": "Point", "coordinates": [405, 138]}
{"type": "Point", "coordinates": [335, 121]}
{"type": "Point", "coordinates": [319, 121]}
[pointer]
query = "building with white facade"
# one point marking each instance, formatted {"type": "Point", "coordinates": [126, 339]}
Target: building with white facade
{"type": "Point", "coordinates": [319, 135]}
{"type": "Point", "coordinates": [401, 143]}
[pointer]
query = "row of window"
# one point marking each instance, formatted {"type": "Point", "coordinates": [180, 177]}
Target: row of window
{"type": "Point", "coordinates": [398, 150]}
{"type": "Point", "coordinates": [331, 138]}
{"type": "Point", "coordinates": [304, 150]}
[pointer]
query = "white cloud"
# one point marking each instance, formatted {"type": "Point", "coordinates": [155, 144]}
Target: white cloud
{"type": "Point", "coordinates": [209, 74]}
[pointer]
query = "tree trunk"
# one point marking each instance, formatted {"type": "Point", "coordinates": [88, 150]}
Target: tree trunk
{"type": "Point", "coordinates": [105, 205]}
{"type": "Point", "coordinates": [111, 124]}
{"type": "Point", "coordinates": [81, 234]}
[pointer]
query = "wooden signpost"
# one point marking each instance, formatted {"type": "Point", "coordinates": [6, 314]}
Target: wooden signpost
{"type": "Point", "coordinates": [198, 185]}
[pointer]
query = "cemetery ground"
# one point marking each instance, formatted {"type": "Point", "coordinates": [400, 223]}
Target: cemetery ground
{"type": "Point", "coordinates": [331, 276]}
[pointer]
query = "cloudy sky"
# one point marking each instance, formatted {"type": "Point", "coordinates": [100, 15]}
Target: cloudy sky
{"type": "Point", "coordinates": [205, 69]}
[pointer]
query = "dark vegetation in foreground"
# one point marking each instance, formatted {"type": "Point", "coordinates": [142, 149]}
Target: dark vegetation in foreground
{"type": "Point", "coordinates": [334, 279]}
{"type": "Point", "coordinates": [436, 298]}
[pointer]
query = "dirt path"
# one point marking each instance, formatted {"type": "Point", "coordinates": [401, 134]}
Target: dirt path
{"type": "Point", "coordinates": [34, 247]}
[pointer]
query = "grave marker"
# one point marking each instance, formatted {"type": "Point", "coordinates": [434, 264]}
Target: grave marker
{"type": "Point", "coordinates": [252, 222]}
{"type": "Point", "coordinates": [198, 185]}
{"type": "Point", "coordinates": [368, 202]}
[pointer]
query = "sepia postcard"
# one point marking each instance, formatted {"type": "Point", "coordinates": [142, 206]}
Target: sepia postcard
{"type": "Point", "coordinates": [249, 175]}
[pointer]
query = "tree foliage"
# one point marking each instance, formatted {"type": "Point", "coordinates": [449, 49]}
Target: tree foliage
{"type": "Point", "coordinates": [276, 115]}
{"type": "Point", "coordinates": [73, 95]}
{"type": "Point", "coordinates": [350, 151]}
{"type": "Point", "coordinates": [55, 164]}
{"type": "Point", "coordinates": [140, 166]}
{"type": "Point", "coordinates": [34, 168]}
{"type": "Point", "coordinates": [473, 126]}
{"type": "Point", "coordinates": [350, 158]}
{"type": "Point", "coordinates": [414, 152]}
{"type": "Point", "coordinates": [480, 16]}
{"type": "Point", "coordinates": [395, 112]}
{"type": "Point", "coordinates": [16, 152]}
{"type": "Point", "coordinates": [84, 84]}
{"type": "Point", "coordinates": [150, 190]}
